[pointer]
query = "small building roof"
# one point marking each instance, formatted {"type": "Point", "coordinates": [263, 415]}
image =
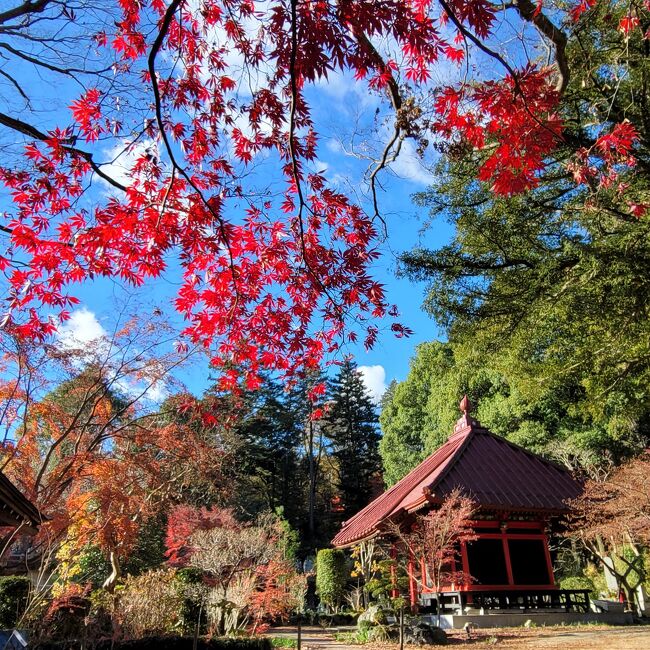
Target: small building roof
{"type": "Point", "coordinates": [15, 507]}
{"type": "Point", "coordinates": [496, 473]}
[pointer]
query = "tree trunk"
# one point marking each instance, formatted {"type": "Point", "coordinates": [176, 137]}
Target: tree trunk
{"type": "Point", "coordinates": [116, 572]}
{"type": "Point", "coordinates": [312, 484]}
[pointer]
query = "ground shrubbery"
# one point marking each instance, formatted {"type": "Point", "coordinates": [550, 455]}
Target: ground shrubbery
{"type": "Point", "coordinates": [14, 591]}
{"type": "Point", "coordinates": [579, 582]}
{"type": "Point", "coordinates": [150, 604]}
{"type": "Point", "coordinates": [168, 643]}
{"type": "Point", "coordinates": [224, 578]}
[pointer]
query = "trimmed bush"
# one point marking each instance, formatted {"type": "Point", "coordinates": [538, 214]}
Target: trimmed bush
{"type": "Point", "coordinates": [331, 576]}
{"type": "Point", "coordinates": [151, 603]}
{"type": "Point", "coordinates": [579, 582]}
{"type": "Point", "coordinates": [13, 599]}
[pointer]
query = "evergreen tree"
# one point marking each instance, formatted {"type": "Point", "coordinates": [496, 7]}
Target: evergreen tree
{"type": "Point", "coordinates": [262, 435]}
{"type": "Point", "coordinates": [351, 425]}
{"type": "Point", "coordinates": [317, 493]}
{"type": "Point", "coordinates": [551, 289]}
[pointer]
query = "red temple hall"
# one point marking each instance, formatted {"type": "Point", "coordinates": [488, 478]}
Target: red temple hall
{"type": "Point", "coordinates": [518, 496]}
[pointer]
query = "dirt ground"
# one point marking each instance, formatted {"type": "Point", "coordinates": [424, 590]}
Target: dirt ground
{"type": "Point", "coordinates": [586, 637]}
{"type": "Point", "coordinates": [590, 637]}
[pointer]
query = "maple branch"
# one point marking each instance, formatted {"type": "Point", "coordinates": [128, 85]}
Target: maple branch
{"type": "Point", "coordinates": [292, 117]}
{"type": "Point", "coordinates": [292, 152]}
{"type": "Point", "coordinates": [27, 7]}
{"type": "Point", "coordinates": [151, 65]}
{"type": "Point", "coordinates": [531, 12]}
{"type": "Point", "coordinates": [49, 66]}
{"type": "Point", "coordinates": [398, 138]}
{"type": "Point", "coordinates": [378, 62]}
{"type": "Point", "coordinates": [479, 43]}
{"type": "Point", "coordinates": [16, 85]}
{"type": "Point", "coordinates": [392, 89]}
{"type": "Point", "coordinates": [495, 55]}
{"type": "Point", "coordinates": [33, 132]}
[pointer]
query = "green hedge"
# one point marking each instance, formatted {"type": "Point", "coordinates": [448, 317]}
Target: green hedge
{"type": "Point", "coordinates": [579, 582]}
{"type": "Point", "coordinates": [13, 599]}
{"type": "Point", "coordinates": [331, 576]}
{"type": "Point", "coordinates": [168, 643]}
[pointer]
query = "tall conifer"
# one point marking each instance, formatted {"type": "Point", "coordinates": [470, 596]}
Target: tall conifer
{"type": "Point", "coordinates": [352, 426]}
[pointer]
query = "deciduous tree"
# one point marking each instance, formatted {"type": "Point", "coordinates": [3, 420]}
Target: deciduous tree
{"type": "Point", "coordinates": [550, 287]}
{"type": "Point", "coordinates": [612, 520]}
{"type": "Point", "coordinates": [435, 539]}
{"type": "Point", "coordinates": [250, 580]}
{"type": "Point", "coordinates": [82, 441]}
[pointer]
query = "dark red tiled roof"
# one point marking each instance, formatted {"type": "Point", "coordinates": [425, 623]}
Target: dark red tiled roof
{"type": "Point", "coordinates": [494, 472]}
{"type": "Point", "coordinates": [15, 508]}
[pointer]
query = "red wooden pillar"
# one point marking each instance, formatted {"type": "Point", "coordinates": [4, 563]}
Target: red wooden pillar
{"type": "Point", "coordinates": [549, 562]}
{"type": "Point", "coordinates": [506, 553]}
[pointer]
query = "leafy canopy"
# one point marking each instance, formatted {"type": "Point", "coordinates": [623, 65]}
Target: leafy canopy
{"type": "Point", "coordinates": [549, 289]}
{"type": "Point", "coordinates": [188, 94]}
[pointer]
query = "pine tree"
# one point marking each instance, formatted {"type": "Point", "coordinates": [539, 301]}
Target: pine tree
{"type": "Point", "coordinates": [352, 426]}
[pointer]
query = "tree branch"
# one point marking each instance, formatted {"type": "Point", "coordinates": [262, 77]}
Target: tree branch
{"type": "Point", "coordinates": [530, 13]}
{"type": "Point", "coordinates": [33, 132]}
{"type": "Point", "coordinates": [27, 7]}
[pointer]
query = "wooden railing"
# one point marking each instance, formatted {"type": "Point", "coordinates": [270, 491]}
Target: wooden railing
{"type": "Point", "coordinates": [568, 600]}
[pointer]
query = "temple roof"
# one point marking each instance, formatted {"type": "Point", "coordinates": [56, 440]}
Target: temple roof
{"type": "Point", "coordinates": [15, 508]}
{"type": "Point", "coordinates": [494, 472]}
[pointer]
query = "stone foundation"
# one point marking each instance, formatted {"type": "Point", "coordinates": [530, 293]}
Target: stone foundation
{"type": "Point", "coordinates": [517, 619]}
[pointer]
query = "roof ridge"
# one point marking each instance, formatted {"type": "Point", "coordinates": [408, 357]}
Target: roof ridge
{"type": "Point", "coordinates": [361, 524]}
{"type": "Point", "coordinates": [528, 452]}
{"type": "Point", "coordinates": [446, 462]}
{"type": "Point", "coordinates": [460, 450]}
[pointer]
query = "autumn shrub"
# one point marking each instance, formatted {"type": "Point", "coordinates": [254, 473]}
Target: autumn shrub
{"type": "Point", "coordinates": [65, 617]}
{"type": "Point", "coordinates": [167, 643]}
{"type": "Point", "coordinates": [13, 599]}
{"type": "Point", "coordinates": [251, 581]}
{"type": "Point", "coordinates": [149, 604]}
{"type": "Point", "coordinates": [331, 576]}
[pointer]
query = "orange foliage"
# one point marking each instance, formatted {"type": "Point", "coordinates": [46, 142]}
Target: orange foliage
{"type": "Point", "coordinates": [82, 440]}
{"type": "Point", "coordinates": [617, 508]}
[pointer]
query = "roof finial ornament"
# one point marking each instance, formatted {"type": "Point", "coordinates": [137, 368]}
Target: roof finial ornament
{"type": "Point", "coordinates": [466, 420]}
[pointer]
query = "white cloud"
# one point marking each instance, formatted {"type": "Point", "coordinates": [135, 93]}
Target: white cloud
{"type": "Point", "coordinates": [320, 166]}
{"type": "Point", "coordinates": [123, 156]}
{"type": "Point", "coordinates": [153, 390]}
{"type": "Point", "coordinates": [409, 165]}
{"type": "Point", "coordinates": [81, 329]}
{"type": "Point", "coordinates": [374, 377]}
